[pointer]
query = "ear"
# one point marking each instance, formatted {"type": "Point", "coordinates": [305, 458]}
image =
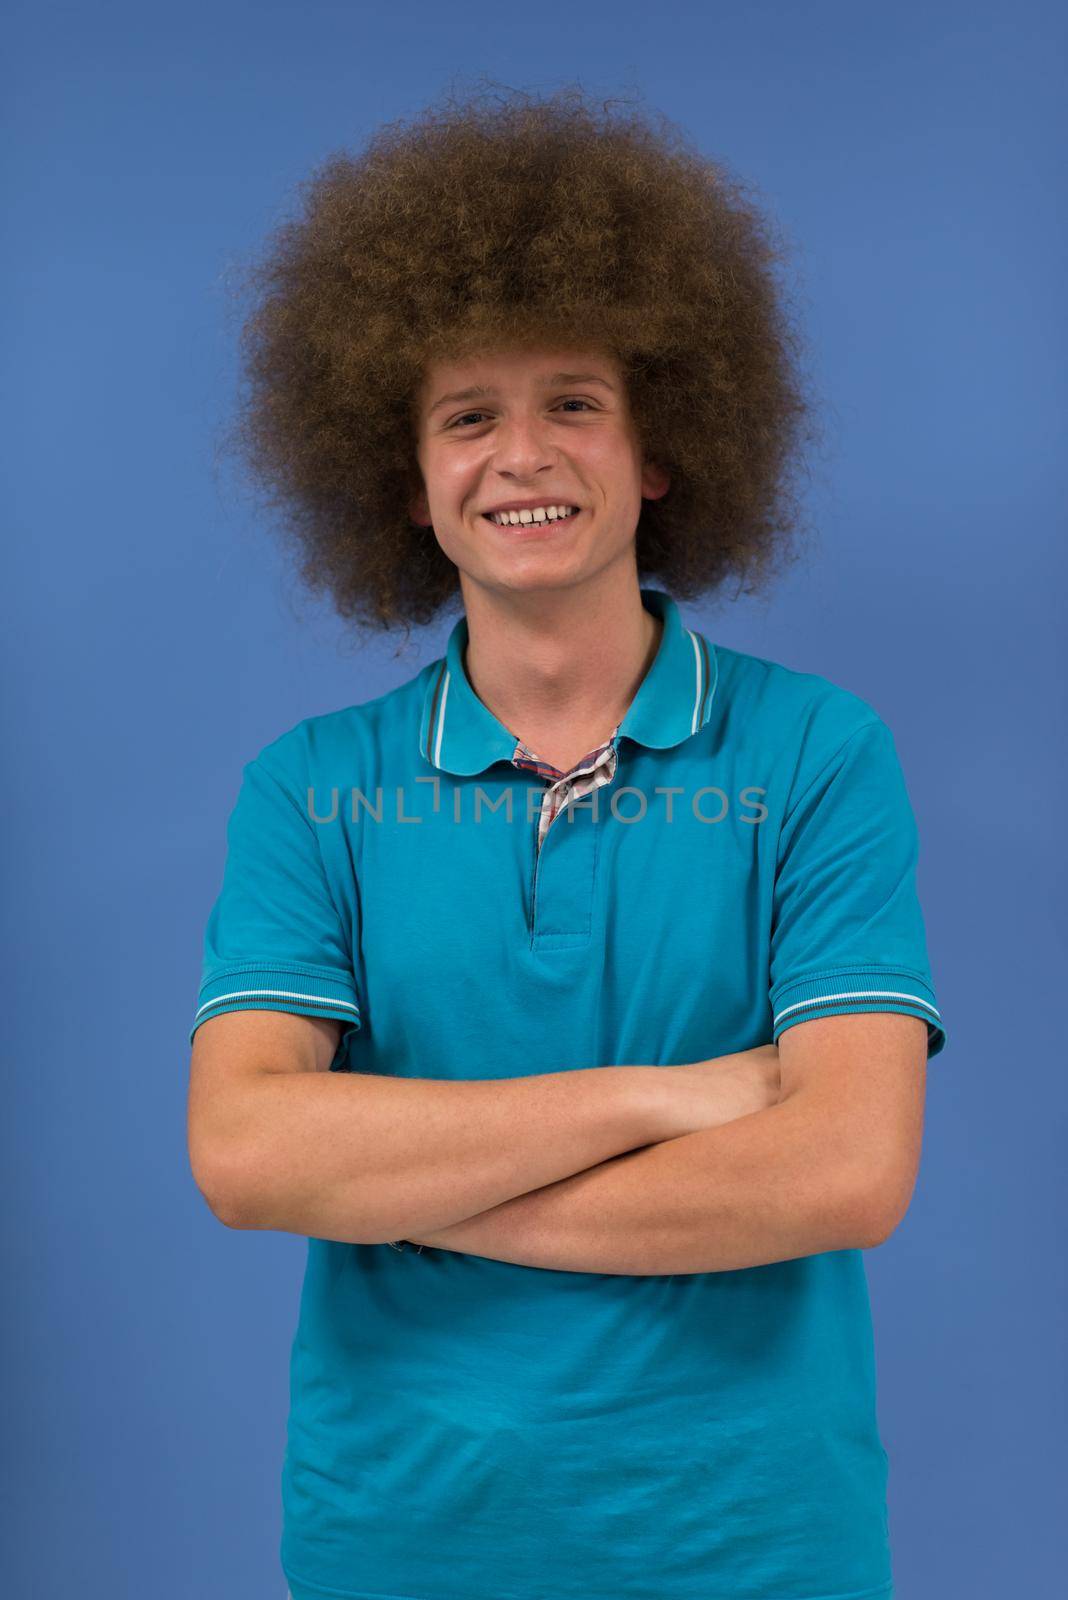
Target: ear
{"type": "Point", "coordinates": [656, 481]}
{"type": "Point", "coordinates": [419, 510]}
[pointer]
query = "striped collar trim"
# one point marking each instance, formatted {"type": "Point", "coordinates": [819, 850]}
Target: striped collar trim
{"type": "Point", "coordinates": [459, 734]}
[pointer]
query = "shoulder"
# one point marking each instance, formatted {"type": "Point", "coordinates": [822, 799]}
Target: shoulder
{"type": "Point", "coordinates": [797, 720]}
{"type": "Point", "coordinates": [785, 700]}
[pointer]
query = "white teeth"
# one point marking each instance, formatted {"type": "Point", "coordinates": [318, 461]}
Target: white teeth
{"type": "Point", "coordinates": [504, 519]}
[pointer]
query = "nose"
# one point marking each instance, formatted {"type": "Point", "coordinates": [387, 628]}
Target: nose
{"type": "Point", "coordinates": [522, 448]}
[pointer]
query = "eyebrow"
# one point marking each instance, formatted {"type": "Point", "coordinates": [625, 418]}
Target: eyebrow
{"type": "Point", "coordinates": [479, 391]}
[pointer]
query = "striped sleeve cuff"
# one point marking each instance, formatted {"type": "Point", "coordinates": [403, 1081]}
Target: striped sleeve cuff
{"type": "Point", "coordinates": [259, 986]}
{"type": "Point", "coordinates": [853, 989]}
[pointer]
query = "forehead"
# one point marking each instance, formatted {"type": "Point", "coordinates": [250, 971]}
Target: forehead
{"type": "Point", "coordinates": [516, 369]}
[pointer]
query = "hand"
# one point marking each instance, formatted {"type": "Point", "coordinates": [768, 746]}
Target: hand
{"type": "Point", "coordinates": [703, 1094]}
{"type": "Point", "coordinates": [709, 1093]}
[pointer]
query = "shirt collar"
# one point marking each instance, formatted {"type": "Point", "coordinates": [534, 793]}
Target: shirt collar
{"type": "Point", "coordinates": [461, 735]}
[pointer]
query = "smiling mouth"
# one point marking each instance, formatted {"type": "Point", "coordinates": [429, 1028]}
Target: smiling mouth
{"type": "Point", "coordinates": [534, 526]}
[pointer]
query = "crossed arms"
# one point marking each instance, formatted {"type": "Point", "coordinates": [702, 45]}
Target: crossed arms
{"type": "Point", "coordinates": [831, 1166]}
{"type": "Point", "coordinates": [586, 1171]}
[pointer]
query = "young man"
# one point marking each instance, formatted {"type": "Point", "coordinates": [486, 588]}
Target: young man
{"type": "Point", "coordinates": [588, 963]}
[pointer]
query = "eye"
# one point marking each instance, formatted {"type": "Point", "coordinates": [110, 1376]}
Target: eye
{"type": "Point", "coordinates": [572, 400]}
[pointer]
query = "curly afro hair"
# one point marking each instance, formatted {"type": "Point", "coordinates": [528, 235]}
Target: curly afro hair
{"type": "Point", "coordinates": [506, 221]}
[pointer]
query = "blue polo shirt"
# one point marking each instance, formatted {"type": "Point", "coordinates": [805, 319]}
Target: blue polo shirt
{"type": "Point", "coordinates": [468, 1429]}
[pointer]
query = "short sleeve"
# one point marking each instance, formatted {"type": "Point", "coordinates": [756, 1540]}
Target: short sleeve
{"type": "Point", "coordinates": [847, 928]}
{"type": "Point", "coordinates": [274, 939]}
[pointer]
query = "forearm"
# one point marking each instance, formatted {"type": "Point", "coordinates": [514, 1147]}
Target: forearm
{"type": "Point", "coordinates": [770, 1186]}
{"type": "Point", "coordinates": [364, 1159]}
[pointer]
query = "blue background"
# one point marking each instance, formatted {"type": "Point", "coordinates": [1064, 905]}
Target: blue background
{"type": "Point", "coordinates": [155, 640]}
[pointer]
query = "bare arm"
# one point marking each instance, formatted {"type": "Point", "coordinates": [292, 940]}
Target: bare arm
{"type": "Point", "coordinates": [828, 1164]}
{"type": "Point", "coordinates": [766, 1187]}
{"type": "Point", "coordinates": [278, 1141]}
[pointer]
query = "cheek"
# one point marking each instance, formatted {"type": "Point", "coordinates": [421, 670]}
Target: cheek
{"type": "Point", "coordinates": [449, 542]}
{"type": "Point", "coordinates": [453, 535]}
{"type": "Point", "coordinates": [451, 481]}
{"type": "Point", "coordinates": [616, 462]}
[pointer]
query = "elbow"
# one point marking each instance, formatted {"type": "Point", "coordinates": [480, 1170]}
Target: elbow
{"type": "Point", "coordinates": [225, 1191]}
{"type": "Point", "coordinates": [886, 1226]}
{"type": "Point", "coordinates": [883, 1209]}
{"type": "Point", "coordinates": [222, 1211]}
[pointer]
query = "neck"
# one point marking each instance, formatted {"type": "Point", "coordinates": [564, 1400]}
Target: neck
{"type": "Point", "coordinates": [560, 668]}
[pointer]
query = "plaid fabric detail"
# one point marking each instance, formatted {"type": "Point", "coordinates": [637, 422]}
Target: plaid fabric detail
{"type": "Point", "coordinates": [595, 768]}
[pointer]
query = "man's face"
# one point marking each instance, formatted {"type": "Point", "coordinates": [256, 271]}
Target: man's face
{"type": "Point", "coordinates": [551, 428]}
